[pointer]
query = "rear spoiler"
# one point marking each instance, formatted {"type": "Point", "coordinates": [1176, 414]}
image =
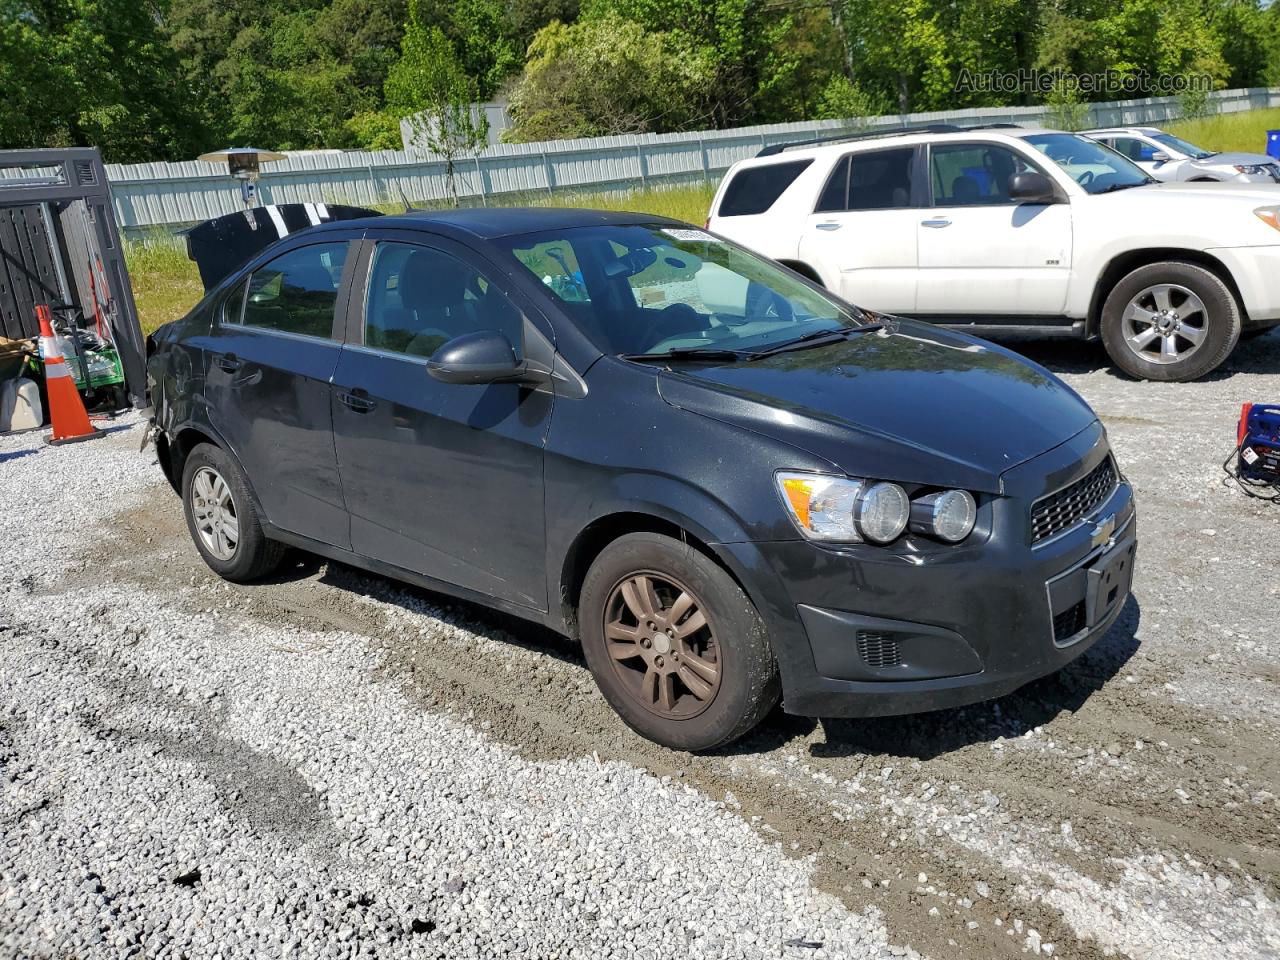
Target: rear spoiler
{"type": "Point", "coordinates": [221, 245]}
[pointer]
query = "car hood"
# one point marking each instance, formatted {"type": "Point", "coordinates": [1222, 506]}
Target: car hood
{"type": "Point", "coordinates": [1231, 159]}
{"type": "Point", "coordinates": [910, 403]}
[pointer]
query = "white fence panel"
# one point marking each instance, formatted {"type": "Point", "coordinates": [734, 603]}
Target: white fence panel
{"type": "Point", "coordinates": [174, 194]}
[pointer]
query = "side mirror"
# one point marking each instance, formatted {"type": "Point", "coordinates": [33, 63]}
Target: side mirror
{"type": "Point", "coordinates": [1160, 157]}
{"type": "Point", "coordinates": [1032, 187]}
{"type": "Point", "coordinates": [485, 356]}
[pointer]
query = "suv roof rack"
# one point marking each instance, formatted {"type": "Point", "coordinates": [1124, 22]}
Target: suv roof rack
{"type": "Point", "coordinates": [775, 148]}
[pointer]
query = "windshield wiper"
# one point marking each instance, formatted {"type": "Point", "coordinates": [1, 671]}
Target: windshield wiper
{"type": "Point", "coordinates": [818, 338]}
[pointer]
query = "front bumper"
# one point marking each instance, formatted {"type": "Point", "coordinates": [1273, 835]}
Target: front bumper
{"type": "Point", "coordinates": [863, 631]}
{"type": "Point", "coordinates": [1254, 269]}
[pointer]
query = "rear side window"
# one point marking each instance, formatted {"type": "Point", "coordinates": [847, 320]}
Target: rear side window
{"type": "Point", "coordinates": [755, 189]}
{"type": "Point", "coordinates": [297, 291]}
{"type": "Point", "coordinates": [874, 180]}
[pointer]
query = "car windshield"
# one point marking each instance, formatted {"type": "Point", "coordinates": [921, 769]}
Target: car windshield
{"type": "Point", "coordinates": [658, 290]}
{"type": "Point", "coordinates": [1095, 167]}
{"type": "Point", "coordinates": [1190, 149]}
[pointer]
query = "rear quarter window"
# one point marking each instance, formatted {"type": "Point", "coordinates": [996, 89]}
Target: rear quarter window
{"type": "Point", "coordinates": [755, 189]}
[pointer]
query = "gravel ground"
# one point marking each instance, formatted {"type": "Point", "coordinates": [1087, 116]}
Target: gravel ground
{"type": "Point", "coordinates": [332, 764]}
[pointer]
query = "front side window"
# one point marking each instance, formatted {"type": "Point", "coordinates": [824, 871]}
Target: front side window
{"type": "Point", "coordinates": [1135, 149]}
{"type": "Point", "coordinates": [652, 289]}
{"type": "Point", "coordinates": [1096, 167]}
{"type": "Point", "coordinates": [297, 292]}
{"type": "Point", "coordinates": [974, 174]}
{"type": "Point", "coordinates": [420, 298]}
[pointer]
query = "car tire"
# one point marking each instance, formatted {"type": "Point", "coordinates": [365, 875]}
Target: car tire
{"type": "Point", "coordinates": [1151, 315]}
{"type": "Point", "coordinates": [216, 498]}
{"type": "Point", "coordinates": [675, 645]}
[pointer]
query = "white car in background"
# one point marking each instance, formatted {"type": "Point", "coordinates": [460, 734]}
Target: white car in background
{"type": "Point", "coordinates": [1167, 157]}
{"type": "Point", "coordinates": [1003, 230]}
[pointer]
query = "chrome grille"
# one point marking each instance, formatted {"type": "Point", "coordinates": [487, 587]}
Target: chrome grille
{"type": "Point", "coordinates": [1064, 509]}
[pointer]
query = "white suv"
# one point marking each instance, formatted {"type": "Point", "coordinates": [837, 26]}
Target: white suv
{"type": "Point", "coordinates": [1005, 230]}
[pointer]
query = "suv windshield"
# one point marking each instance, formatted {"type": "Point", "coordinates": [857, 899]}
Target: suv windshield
{"type": "Point", "coordinates": [1095, 167]}
{"type": "Point", "coordinates": [1190, 149]}
{"type": "Point", "coordinates": [655, 290]}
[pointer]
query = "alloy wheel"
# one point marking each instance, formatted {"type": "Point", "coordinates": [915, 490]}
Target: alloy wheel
{"type": "Point", "coordinates": [1165, 323]}
{"type": "Point", "coordinates": [214, 512]}
{"type": "Point", "coordinates": [662, 645]}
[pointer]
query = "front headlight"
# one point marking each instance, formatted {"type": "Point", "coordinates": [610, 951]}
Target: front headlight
{"type": "Point", "coordinates": [841, 510]}
{"type": "Point", "coordinates": [948, 515]}
{"type": "Point", "coordinates": [1252, 169]}
{"type": "Point", "coordinates": [1269, 215]}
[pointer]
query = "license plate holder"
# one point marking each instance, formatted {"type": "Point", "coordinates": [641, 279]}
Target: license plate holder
{"type": "Point", "coordinates": [1109, 580]}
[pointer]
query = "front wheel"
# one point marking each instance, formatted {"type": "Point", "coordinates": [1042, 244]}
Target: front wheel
{"type": "Point", "coordinates": [1170, 321]}
{"type": "Point", "coordinates": [674, 644]}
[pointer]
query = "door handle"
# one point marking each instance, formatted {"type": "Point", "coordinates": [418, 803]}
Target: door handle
{"type": "Point", "coordinates": [829, 225]}
{"type": "Point", "coordinates": [937, 224]}
{"type": "Point", "coordinates": [228, 362]}
{"type": "Point", "coordinates": [358, 401]}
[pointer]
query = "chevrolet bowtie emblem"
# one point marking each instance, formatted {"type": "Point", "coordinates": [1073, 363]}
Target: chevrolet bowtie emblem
{"type": "Point", "coordinates": [1102, 532]}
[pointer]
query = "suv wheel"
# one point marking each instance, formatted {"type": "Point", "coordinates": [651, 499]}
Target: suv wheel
{"type": "Point", "coordinates": [1170, 321]}
{"type": "Point", "coordinates": [674, 644]}
{"type": "Point", "coordinates": [221, 517]}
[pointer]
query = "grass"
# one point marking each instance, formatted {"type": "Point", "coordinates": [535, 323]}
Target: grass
{"type": "Point", "coordinates": [166, 284]}
{"type": "Point", "coordinates": [1244, 132]}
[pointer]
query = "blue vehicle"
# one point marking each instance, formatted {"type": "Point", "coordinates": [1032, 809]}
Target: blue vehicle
{"type": "Point", "coordinates": [731, 486]}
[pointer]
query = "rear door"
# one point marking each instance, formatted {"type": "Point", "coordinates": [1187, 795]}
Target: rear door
{"type": "Point", "coordinates": [273, 346]}
{"type": "Point", "coordinates": [861, 236]}
{"type": "Point", "coordinates": [982, 253]}
{"type": "Point", "coordinates": [441, 479]}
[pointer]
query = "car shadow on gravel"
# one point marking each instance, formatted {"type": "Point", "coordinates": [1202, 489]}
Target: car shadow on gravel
{"type": "Point", "coordinates": [925, 736]}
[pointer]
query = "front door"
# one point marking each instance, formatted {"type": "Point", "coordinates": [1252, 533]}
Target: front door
{"type": "Point", "coordinates": [441, 479]}
{"type": "Point", "coordinates": [983, 254]}
{"type": "Point", "coordinates": [861, 237]}
{"type": "Point", "coordinates": [270, 353]}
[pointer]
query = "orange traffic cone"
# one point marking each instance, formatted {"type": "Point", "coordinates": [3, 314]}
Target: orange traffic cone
{"type": "Point", "coordinates": [66, 409]}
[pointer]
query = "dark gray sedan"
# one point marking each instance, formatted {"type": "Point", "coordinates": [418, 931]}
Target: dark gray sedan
{"type": "Point", "coordinates": [731, 486]}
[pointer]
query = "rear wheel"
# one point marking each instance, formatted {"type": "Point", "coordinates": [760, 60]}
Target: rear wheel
{"type": "Point", "coordinates": [221, 517]}
{"type": "Point", "coordinates": [675, 645]}
{"type": "Point", "coordinates": [1170, 321]}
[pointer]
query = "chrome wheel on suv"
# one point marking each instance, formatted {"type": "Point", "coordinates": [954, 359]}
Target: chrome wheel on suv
{"type": "Point", "coordinates": [1165, 323]}
{"type": "Point", "coordinates": [1170, 321]}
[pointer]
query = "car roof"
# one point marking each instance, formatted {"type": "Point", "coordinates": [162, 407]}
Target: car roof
{"type": "Point", "coordinates": [488, 223]}
{"type": "Point", "coordinates": [1148, 131]}
{"type": "Point", "coordinates": [905, 138]}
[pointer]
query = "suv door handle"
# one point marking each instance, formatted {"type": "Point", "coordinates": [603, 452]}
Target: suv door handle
{"type": "Point", "coordinates": [358, 400]}
{"type": "Point", "coordinates": [830, 225]}
{"type": "Point", "coordinates": [228, 362]}
{"type": "Point", "coordinates": [937, 224]}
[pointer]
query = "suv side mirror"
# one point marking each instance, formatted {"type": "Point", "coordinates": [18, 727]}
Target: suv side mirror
{"type": "Point", "coordinates": [1159, 157]}
{"type": "Point", "coordinates": [1032, 187]}
{"type": "Point", "coordinates": [485, 356]}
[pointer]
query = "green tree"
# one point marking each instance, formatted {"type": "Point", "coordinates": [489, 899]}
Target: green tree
{"type": "Point", "coordinates": [429, 86]}
{"type": "Point", "coordinates": [607, 76]}
{"type": "Point", "coordinates": [92, 73]}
